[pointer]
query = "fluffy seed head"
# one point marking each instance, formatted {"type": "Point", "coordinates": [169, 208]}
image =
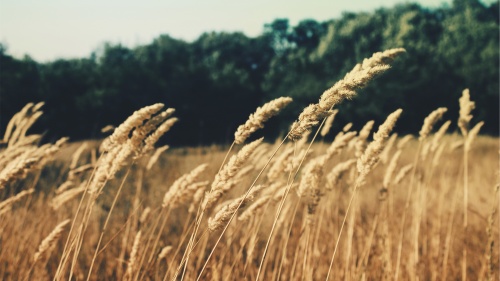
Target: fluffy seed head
{"type": "Point", "coordinates": [344, 89]}
{"type": "Point", "coordinates": [254, 208]}
{"type": "Point", "coordinates": [66, 196]}
{"type": "Point", "coordinates": [402, 173]}
{"type": "Point", "coordinates": [390, 169]}
{"type": "Point", "coordinates": [133, 257]}
{"type": "Point", "coordinates": [347, 127]}
{"type": "Point", "coordinates": [222, 217]}
{"type": "Point", "coordinates": [339, 143]}
{"type": "Point", "coordinates": [180, 192]}
{"type": "Point", "coordinates": [361, 140]}
{"type": "Point", "coordinates": [4, 205]}
{"type": "Point", "coordinates": [384, 156]}
{"type": "Point", "coordinates": [403, 141]}
{"type": "Point", "coordinates": [227, 173]}
{"type": "Point", "coordinates": [49, 243]}
{"type": "Point", "coordinates": [472, 135]}
{"type": "Point", "coordinates": [466, 106]}
{"type": "Point", "coordinates": [337, 172]}
{"type": "Point", "coordinates": [328, 123]}
{"type": "Point", "coordinates": [371, 155]}
{"type": "Point", "coordinates": [160, 131]}
{"type": "Point", "coordinates": [439, 135]}
{"type": "Point", "coordinates": [121, 133]}
{"type": "Point", "coordinates": [164, 252]}
{"type": "Point", "coordinates": [256, 120]}
{"type": "Point", "coordinates": [430, 120]}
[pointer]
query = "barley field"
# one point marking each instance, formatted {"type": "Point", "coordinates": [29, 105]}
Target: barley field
{"type": "Point", "coordinates": [369, 205]}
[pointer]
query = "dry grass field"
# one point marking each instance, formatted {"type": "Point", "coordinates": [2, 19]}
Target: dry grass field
{"type": "Point", "coordinates": [369, 205]}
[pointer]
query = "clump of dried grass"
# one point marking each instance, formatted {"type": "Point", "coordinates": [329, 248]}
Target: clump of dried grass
{"type": "Point", "coordinates": [121, 133]}
{"type": "Point", "coordinates": [430, 121]}
{"type": "Point", "coordinates": [226, 174]}
{"type": "Point", "coordinates": [344, 89]}
{"type": "Point", "coordinates": [49, 243]}
{"type": "Point", "coordinates": [367, 250]}
{"type": "Point", "coordinates": [183, 188]}
{"type": "Point", "coordinates": [361, 140]}
{"type": "Point", "coordinates": [131, 265]}
{"type": "Point", "coordinates": [6, 204]}
{"type": "Point", "coordinates": [466, 106]}
{"type": "Point", "coordinates": [328, 123]}
{"type": "Point", "coordinates": [256, 120]}
{"type": "Point", "coordinates": [371, 155]}
{"type": "Point", "coordinates": [221, 218]}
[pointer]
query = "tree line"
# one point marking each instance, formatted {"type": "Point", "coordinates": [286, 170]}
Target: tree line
{"type": "Point", "coordinates": [217, 80]}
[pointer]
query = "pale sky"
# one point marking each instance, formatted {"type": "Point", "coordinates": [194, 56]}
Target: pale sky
{"type": "Point", "coordinates": [51, 29]}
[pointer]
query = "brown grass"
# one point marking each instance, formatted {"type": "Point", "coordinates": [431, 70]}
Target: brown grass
{"type": "Point", "coordinates": [422, 212]}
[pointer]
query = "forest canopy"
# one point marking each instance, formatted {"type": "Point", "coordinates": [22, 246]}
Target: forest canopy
{"type": "Point", "coordinates": [217, 80]}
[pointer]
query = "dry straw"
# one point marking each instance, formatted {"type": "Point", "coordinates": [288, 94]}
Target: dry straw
{"type": "Point", "coordinates": [252, 210]}
{"type": "Point", "coordinates": [256, 120]}
{"type": "Point", "coordinates": [339, 143]}
{"type": "Point", "coordinates": [145, 215]}
{"type": "Point", "coordinates": [76, 156]}
{"type": "Point", "coordinates": [277, 168]}
{"type": "Point", "coordinates": [183, 188]}
{"type": "Point", "coordinates": [66, 196]}
{"type": "Point", "coordinates": [438, 136]}
{"type": "Point", "coordinates": [221, 218]}
{"type": "Point", "coordinates": [384, 156]}
{"type": "Point", "coordinates": [430, 121]}
{"type": "Point", "coordinates": [155, 136]}
{"type": "Point", "coordinates": [164, 252]}
{"type": "Point", "coordinates": [152, 126]}
{"type": "Point", "coordinates": [15, 120]}
{"type": "Point", "coordinates": [227, 173]}
{"type": "Point", "coordinates": [404, 141]}
{"type": "Point", "coordinates": [466, 106]}
{"type": "Point", "coordinates": [155, 156]}
{"type": "Point", "coordinates": [311, 176]}
{"type": "Point", "coordinates": [133, 258]}
{"type": "Point", "coordinates": [27, 160]}
{"type": "Point", "coordinates": [361, 140]}
{"type": "Point", "coordinates": [49, 243]}
{"type": "Point", "coordinates": [197, 196]}
{"type": "Point", "coordinates": [437, 155]}
{"type": "Point", "coordinates": [334, 177]}
{"type": "Point", "coordinates": [64, 186]}
{"type": "Point", "coordinates": [402, 173]}
{"type": "Point", "coordinates": [347, 127]}
{"type": "Point", "coordinates": [310, 185]}
{"type": "Point", "coordinates": [118, 147]}
{"type": "Point", "coordinates": [84, 168]}
{"type": "Point", "coordinates": [344, 89]}
{"type": "Point", "coordinates": [472, 135]}
{"type": "Point", "coordinates": [371, 155]}
{"type": "Point", "coordinates": [328, 123]}
{"type": "Point", "coordinates": [391, 168]}
{"type": "Point", "coordinates": [121, 133]}
{"type": "Point", "coordinates": [6, 204]}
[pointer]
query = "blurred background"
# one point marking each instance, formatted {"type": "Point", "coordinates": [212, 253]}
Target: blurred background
{"type": "Point", "coordinates": [95, 62]}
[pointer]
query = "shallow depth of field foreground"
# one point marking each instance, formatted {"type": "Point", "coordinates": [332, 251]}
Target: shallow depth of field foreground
{"type": "Point", "coordinates": [369, 205]}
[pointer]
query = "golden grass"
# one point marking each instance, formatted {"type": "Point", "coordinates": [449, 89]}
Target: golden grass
{"type": "Point", "coordinates": [30, 219]}
{"type": "Point", "coordinates": [412, 209]}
